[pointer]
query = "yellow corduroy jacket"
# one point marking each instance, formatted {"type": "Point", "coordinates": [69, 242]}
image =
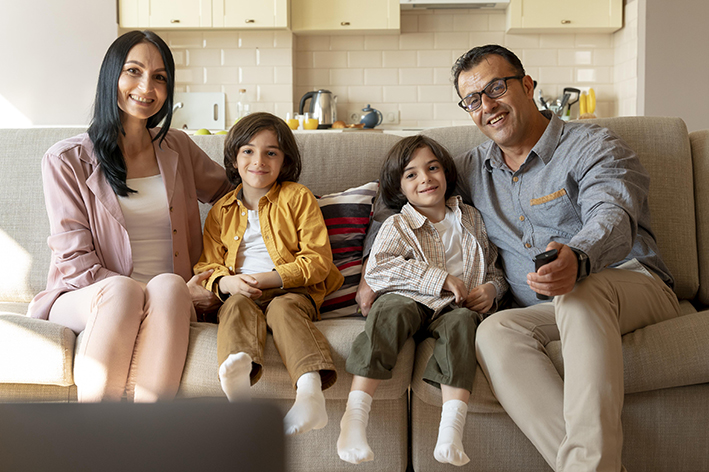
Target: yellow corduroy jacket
{"type": "Point", "coordinates": [293, 230]}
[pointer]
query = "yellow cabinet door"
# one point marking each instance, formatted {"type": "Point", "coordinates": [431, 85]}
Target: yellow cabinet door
{"type": "Point", "coordinates": [559, 16]}
{"type": "Point", "coordinates": [250, 13]}
{"type": "Point", "coordinates": [343, 16]}
{"type": "Point", "coordinates": [180, 13]}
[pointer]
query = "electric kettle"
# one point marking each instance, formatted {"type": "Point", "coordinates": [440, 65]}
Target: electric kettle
{"type": "Point", "coordinates": [322, 106]}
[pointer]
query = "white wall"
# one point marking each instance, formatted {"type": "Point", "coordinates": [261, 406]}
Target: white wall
{"type": "Point", "coordinates": [50, 55]}
{"type": "Point", "coordinates": [625, 64]}
{"type": "Point", "coordinates": [674, 60]}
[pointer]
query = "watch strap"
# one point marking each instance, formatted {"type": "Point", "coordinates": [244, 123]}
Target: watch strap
{"type": "Point", "coordinates": [584, 264]}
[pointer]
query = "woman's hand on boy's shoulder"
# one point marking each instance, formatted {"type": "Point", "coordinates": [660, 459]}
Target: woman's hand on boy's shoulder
{"type": "Point", "coordinates": [481, 298]}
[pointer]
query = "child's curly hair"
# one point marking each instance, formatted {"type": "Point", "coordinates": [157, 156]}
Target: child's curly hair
{"type": "Point", "coordinates": [250, 125]}
{"type": "Point", "coordinates": [399, 157]}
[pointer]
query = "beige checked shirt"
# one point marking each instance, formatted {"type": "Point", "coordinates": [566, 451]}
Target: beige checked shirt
{"type": "Point", "coordinates": [408, 257]}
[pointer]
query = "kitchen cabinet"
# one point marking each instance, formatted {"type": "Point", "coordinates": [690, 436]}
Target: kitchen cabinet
{"type": "Point", "coordinates": [562, 16]}
{"type": "Point", "coordinates": [235, 14]}
{"type": "Point", "coordinates": [165, 13]}
{"type": "Point", "coordinates": [250, 14]}
{"type": "Point", "coordinates": [344, 16]}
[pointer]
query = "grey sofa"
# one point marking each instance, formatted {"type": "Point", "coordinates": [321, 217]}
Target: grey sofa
{"type": "Point", "coordinates": [667, 365]}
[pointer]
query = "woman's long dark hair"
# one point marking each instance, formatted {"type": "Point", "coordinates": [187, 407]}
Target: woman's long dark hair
{"type": "Point", "coordinates": [106, 124]}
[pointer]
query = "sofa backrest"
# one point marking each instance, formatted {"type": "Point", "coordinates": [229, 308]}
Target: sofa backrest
{"type": "Point", "coordinates": [336, 161]}
{"type": "Point", "coordinates": [663, 146]}
{"type": "Point", "coordinates": [24, 227]}
{"type": "Point", "coordinates": [332, 161]}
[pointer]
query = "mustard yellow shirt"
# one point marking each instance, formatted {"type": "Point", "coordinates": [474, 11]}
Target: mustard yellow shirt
{"type": "Point", "coordinates": [293, 230]}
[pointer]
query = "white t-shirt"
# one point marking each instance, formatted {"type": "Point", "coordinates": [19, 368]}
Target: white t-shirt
{"type": "Point", "coordinates": [450, 230]}
{"type": "Point", "coordinates": [253, 256]}
{"type": "Point", "coordinates": [148, 223]}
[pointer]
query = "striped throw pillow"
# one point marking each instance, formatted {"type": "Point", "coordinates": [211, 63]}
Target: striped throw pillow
{"type": "Point", "coordinates": [347, 217]}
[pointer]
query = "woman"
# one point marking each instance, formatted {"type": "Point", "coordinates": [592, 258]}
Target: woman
{"type": "Point", "coordinates": [125, 230]}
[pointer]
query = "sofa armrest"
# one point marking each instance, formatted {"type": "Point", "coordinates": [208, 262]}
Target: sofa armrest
{"type": "Point", "coordinates": [35, 351]}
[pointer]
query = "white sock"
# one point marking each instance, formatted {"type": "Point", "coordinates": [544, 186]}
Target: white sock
{"type": "Point", "coordinates": [308, 412]}
{"type": "Point", "coordinates": [235, 376]}
{"type": "Point", "coordinates": [449, 447]}
{"type": "Point", "coordinates": [352, 445]}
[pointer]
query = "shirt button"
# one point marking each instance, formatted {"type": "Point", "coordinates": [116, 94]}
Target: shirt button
{"type": "Point", "coordinates": [174, 231]}
{"type": "Point", "coordinates": [440, 265]}
{"type": "Point", "coordinates": [177, 253]}
{"type": "Point", "coordinates": [527, 245]}
{"type": "Point", "coordinates": [521, 218]}
{"type": "Point", "coordinates": [231, 269]}
{"type": "Point", "coordinates": [171, 208]}
{"type": "Point", "coordinates": [515, 179]}
{"type": "Point", "coordinates": [236, 238]}
{"type": "Point", "coordinates": [243, 213]}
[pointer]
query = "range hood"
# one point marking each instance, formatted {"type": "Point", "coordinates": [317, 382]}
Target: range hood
{"type": "Point", "coordinates": [481, 4]}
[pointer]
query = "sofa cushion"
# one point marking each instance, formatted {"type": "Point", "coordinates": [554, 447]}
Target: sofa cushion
{"type": "Point", "coordinates": [347, 217]}
{"type": "Point", "coordinates": [664, 355]}
{"type": "Point", "coordinates": [200, 377]}
{"type": "Point", "coordinates": [482, 400]}
{"type": "Point", "coordinates": [35, 351]}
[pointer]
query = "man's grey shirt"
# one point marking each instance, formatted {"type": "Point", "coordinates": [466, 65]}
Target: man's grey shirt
{"type": "Point", "coordinates": [581, 185]}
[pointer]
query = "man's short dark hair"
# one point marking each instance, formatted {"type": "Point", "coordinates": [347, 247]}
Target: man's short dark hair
{"type": "Point", "coordinates": [473, 57]}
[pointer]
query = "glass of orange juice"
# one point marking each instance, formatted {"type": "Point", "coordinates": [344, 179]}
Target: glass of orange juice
{"type": "Point", "coordinates": [292, 121]}
{"type": "Point", "coordinates": [310, 123]}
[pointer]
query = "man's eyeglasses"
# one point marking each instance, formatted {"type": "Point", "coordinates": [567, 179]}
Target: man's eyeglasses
{"type": "Point", "coordinates": [494, 89]}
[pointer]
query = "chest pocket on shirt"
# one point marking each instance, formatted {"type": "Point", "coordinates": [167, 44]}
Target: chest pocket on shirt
{"type": "Point", "coordinates": [556, 213]}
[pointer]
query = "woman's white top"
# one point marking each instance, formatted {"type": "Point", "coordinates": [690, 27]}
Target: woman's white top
{"type": "Point", "coordinates": [146, 214]}
{"type": "Point", "coordinates": [253, 256]}
{"type": "Point", "coordinates": [450, 230]}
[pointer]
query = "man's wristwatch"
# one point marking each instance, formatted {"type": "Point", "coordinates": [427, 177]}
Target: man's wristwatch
{"type": "Point", "coordinates": [584, 264]}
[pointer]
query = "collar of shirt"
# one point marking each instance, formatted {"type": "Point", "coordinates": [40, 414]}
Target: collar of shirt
{"type": "Point", "coordinates": [544, 149]}
{"type": "Point", "coordinates": [416, 220]}
{"type": "Point", "coordinates": [237, 196]}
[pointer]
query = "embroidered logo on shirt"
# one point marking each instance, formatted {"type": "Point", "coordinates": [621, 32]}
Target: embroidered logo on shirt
{"type": "Point", "coordinates": [548, 198]}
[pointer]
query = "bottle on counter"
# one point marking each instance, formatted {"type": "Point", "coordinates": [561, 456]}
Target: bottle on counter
{"type": "Point", "coordinates": [242, 105]}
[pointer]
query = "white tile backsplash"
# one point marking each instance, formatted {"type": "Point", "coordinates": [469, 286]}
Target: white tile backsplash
{"type": "Point", "coordinates": [409, 71]}
{"type": "Point", "coordinates": [204, 57]}
{"type": "Point", "coordinates": [274, 57]}
{"type": "Point", "coordinates": [374, 77]}
{"type": "Point", "coordinates": [416, 76]}
{"type": "Point", "coordinates": [416, 41]}
{"type": "Point", "coordinates": [469, 23]}
{"type": "Point", "coordinates": [347, 43]}
{"type": "Point", "coordinates": [362, 59]}
{"type": "Point", "coordinates": [435, 23]}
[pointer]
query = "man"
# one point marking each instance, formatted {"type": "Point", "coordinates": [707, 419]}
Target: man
{"type": "Point", "coordinates": [541, 184]}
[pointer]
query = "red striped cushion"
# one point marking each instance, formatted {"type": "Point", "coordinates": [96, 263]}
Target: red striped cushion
{"type": "Point", "coordinates": [347, 216]}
